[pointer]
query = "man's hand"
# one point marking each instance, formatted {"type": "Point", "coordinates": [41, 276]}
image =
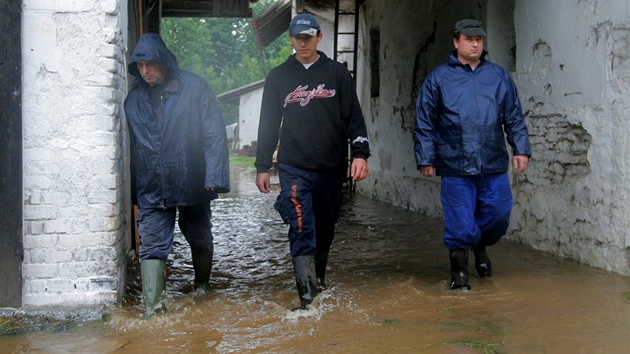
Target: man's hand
{"type": "Point", "coordinates": [519, 162]}
{"type": "Point", "coordinates": [358, 169]}
{"type": "Point", "coordinates": [263, 182]}
{"type": "Point", "coordinates": [427, 170]}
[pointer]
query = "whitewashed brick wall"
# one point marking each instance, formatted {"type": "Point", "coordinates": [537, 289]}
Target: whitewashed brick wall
{"type": "Point", "coordinates": [574, 79]}
{"type": "Point", "coordinates": [76, 235]}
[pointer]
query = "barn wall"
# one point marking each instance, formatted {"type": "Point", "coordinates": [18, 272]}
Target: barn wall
{"type": "Point", "coordinates": [574, 78]}
{"type": "Point", "coordinates": [249, 114]}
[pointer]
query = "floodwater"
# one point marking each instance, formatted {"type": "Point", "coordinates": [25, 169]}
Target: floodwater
{"type": "Point", "coordinates": [388, 293]}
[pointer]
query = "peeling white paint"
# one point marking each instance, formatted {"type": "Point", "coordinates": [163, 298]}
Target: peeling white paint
{"type": "Point", "coordinates": [76, 233]}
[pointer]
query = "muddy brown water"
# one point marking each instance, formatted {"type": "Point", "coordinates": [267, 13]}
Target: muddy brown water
{"type": "Point", "coordinates": [388, 293]}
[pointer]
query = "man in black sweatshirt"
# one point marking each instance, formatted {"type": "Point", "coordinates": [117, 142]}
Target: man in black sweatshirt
{"type": "Point", "coordinates": [314, 100]}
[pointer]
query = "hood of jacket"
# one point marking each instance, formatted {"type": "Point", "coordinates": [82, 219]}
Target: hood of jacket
{"type": "Point", "coordinates": [151, 47]}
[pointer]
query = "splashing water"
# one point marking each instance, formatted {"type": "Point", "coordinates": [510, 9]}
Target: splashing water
{"type": "Point", "coordinates": [388, 292]}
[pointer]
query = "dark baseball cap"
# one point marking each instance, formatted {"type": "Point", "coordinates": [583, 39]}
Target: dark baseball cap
{"type": "Point", "coordinates": [304, 23]}
{"type": "Point", "coordinates": [469, 27]}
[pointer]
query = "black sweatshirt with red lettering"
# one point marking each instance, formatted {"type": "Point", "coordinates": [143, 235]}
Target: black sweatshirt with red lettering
{"type": "Point", "coordinates": [319, 112]}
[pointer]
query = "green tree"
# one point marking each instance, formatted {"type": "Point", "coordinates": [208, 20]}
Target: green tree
{"type": "Point", "coordinates": [224, 51]}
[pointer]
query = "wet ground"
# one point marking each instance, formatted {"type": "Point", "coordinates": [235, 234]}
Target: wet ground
{"type": "Point", "coordinates": [388, 293]}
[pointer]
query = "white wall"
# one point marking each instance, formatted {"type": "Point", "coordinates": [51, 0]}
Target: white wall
{"type": "Point", "coordinates": [574, 78]}
{"type": "Point", "coordinates": [248, 116]}
{"type": "Point", "coordinates": [74, 82]}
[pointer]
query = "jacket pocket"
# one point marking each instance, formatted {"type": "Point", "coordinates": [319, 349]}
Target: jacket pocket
{"type": "Point", "coordinates": [139, 216]}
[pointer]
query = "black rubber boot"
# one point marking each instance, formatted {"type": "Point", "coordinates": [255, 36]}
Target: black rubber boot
{"type": "Point", "coordinates": [482, 262]}
{"type": "Point", "coordinates": [153, 277]}
{"type": "Point", "coordinates": [304, 268]}
{"type": "Point", "coordinates": [202, 263]}
{"type": "Point", "coordinates": [321, 260]}
{"type": "Point", "coordinates": [459, 269]}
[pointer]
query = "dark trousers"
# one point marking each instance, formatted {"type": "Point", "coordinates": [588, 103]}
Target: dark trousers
{"type": "Point", "coordinates": [476, 209]}
{"type": "Point", "coordinates": [310, 202]}
{"type": "Point", "coordinates": [157, 225]}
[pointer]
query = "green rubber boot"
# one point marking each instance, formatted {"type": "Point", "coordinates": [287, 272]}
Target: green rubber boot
{"type": "Point", "coordinates": [153, 278]}
{"type": "Point", "coordinates": [202, 263]}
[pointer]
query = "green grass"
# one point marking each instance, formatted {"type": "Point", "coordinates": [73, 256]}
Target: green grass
{"type": "Point", "coordinates": [486, 335]}
{"type": "Point", "coordinates": [241, 161]}
{"type": "Point", "coordinates": [391, 321]}
{"type": "Point", "coordinates": [483, 336]}
{"type": "Point", "coordinates": [479, 344]}
{"type": "Point", "coordinates": [4, 324]}
{"type": "Point", "coordinates": [26, 324]}
{"type": "Point", "coordinates": [12, 325]}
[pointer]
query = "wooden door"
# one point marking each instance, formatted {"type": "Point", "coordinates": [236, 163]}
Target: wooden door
{"type": "Point", "coordinates": [11, 251]}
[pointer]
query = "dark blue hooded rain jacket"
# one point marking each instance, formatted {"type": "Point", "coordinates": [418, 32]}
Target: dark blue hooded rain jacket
{"type": "Point", "coordinates": [464, 116]}
{"type": "Point", "coordinates": [179, 149]}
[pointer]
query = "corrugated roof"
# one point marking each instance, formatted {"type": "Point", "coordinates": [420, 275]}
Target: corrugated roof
{"type": "Point", "coordinates": [206, 8]}
{"type": "Point", "coordinates": [273, 22]}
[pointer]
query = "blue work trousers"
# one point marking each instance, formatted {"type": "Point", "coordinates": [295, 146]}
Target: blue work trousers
{"type": "Point", "coordinates": [157, 225]}
{"type": "Point", "coordinates": [310, 202]}
{"type": "Point", "coordinates": [476, 209]}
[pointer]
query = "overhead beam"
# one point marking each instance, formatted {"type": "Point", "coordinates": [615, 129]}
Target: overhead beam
{"type": "Point", "coordinates": [206, 8]}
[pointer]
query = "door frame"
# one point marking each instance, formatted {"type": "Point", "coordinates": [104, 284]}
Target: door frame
{"type": "Point", "coordinates": [11, 175]}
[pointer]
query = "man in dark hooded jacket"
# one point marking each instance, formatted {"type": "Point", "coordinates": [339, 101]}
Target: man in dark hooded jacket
{"type": "Point", "coordinates": [179, 162]}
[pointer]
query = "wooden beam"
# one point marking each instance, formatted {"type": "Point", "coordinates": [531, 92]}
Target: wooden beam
{"type": "Point", "coordinates": [206, 8]}
{"type": "Point", "coordinates": [11, 203]}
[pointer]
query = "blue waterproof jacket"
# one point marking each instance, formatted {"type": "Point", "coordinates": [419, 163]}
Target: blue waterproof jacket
{"type": "Point", "coordinates": [179, 149]}
{"type": "Point", "coordinates": [463, 117]}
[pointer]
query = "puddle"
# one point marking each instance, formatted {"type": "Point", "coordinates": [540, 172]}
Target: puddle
{"type": "Point", "coordinates": [388, 292]}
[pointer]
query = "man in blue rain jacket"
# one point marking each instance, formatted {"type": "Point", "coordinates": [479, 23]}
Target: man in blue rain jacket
{"type": "Point", "coordinates": [179, 162]}
{"type": "Point", "coordinates": [466, 109]}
